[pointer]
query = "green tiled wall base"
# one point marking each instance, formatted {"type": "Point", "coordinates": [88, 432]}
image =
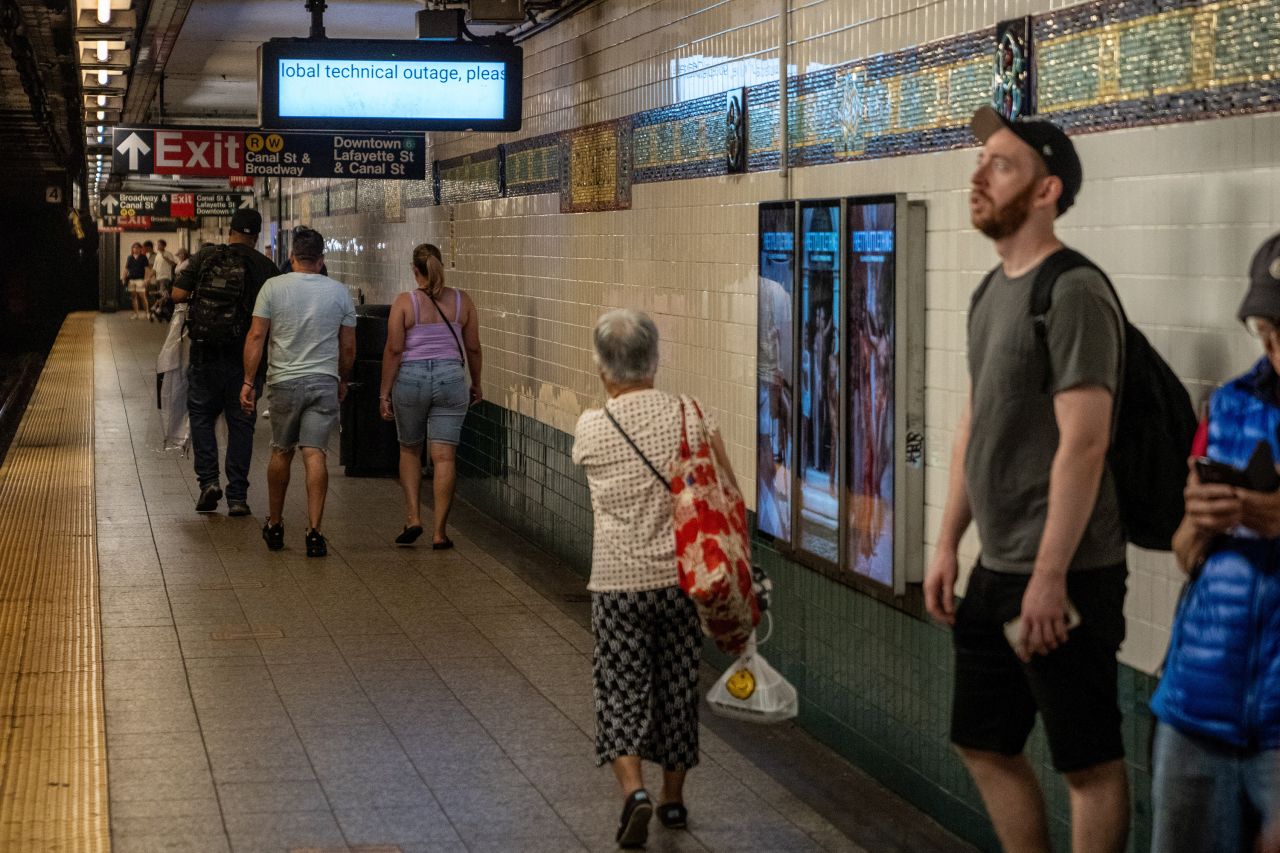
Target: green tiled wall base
{"type": "Point", "coordinates": [874, 681]}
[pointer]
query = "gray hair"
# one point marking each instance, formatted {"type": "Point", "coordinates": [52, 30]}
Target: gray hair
{"type": "Point", "coordinates": [626, 346]}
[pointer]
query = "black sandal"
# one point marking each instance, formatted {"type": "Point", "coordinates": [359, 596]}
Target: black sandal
{"type": "Point", "coordinates": [673, 815]}
{"type": "Point", "coordinates": [633, 826]}
{"type": "Point", "coordinates": [409, 535]}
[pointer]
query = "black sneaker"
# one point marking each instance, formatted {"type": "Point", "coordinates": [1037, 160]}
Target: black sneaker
{"type": "Point", "coordinates": [209, 497]}
{"type": "Point", "coordinates": [238, 508]}
{"type": "Point", "coordinates": [273, 535]}
{"type": "Point", "coordinates": [316, 544]}
{"type": "Point", "coordinates": [633, 826]}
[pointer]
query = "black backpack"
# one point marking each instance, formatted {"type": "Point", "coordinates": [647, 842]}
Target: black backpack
{"type": "Point", "coordinates": [217, 314]}
{"type": "Point", "coordinates": [1155, 422]}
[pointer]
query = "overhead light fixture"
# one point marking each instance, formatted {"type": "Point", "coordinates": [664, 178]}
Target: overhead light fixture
{"type": "Point", "coordinates": [104, 11]}
{"type": "Point", "coordinates": [102, 50]}
{"type": "Point", "coordinates": [99, 139]}
{"type": "Point", "coordinates": [101, 115]}
{"type": "Point", "coordinates": [99, 128]}
{"type": "Point", "coordinates": [103, 78]}
{"type": "Point", "coordinates": [102, 100]}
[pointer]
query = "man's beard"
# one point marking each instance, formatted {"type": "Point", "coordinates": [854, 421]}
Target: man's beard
{"type": "Point", "coordinates": [1005, 221]}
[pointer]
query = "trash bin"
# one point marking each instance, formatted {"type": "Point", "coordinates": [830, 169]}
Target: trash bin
{"type": "Point", "coordinates": [368, 447]}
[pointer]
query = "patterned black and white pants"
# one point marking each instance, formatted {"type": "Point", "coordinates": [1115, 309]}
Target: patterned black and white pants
{"type": "Point", "coordinates": [648, 645]}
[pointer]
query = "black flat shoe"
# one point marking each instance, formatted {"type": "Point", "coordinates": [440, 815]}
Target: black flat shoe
{"type": "Point", "coordinates": [633, 826]}
{"type": "Point", "coordinates": [673, 815]}
{"type": "Point", "coordinates": [273, 535]}
{"type": "Point", "coordinates": [442, 546]}
{"type": "Point", "coordinates": [409, 535]}
{"type": "Point", "coordinates": [316, 544]}
{"type": "Point", "coordinates": [208, 500]}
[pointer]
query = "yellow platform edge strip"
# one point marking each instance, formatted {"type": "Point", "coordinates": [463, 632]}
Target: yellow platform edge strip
{"type": "Point", "coordinates": [53, 767]}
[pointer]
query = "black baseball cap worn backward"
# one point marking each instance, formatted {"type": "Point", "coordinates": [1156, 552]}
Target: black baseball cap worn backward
{"type": "Point", "coordinates": [247, 221]}
{"type": "Point", "coordinates": [1045, 138]}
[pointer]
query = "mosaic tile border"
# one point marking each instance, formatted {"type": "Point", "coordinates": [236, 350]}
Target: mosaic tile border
{"type": "Point", "coordinates": [1102, 65]}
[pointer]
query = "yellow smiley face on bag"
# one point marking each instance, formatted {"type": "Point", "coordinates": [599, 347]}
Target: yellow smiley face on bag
{"type": "Point", "coordinates": [741, 684]}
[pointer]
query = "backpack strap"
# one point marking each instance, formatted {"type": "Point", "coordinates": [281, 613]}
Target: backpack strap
{"type": "Point", "coordinates": [1060, 262]}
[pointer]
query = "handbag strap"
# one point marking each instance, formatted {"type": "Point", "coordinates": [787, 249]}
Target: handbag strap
{"type": "Point", "coordinates": [663, 480]}
{"type": "Point", "coordinates": [447, 324]}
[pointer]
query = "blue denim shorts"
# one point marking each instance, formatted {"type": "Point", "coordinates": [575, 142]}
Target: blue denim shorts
{"type": "Point", "coordinates": [304, 411]}
{"type": "Point", "coordinates": [430, 400]}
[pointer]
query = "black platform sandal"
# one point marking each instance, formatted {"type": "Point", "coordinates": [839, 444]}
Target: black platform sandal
{"type": "Point", "coordinates": [633, 826]}
{"type": "Point", "coordinates": [673, 815]}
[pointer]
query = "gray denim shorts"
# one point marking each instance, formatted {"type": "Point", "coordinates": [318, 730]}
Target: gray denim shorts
{"type": "Point", "coordinates": [304, 411]}
{"type": "Point", "coordinates": [430, 400]}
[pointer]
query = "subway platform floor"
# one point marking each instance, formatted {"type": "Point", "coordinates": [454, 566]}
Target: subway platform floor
{"type": "Point", "coordinates": [382, 698]}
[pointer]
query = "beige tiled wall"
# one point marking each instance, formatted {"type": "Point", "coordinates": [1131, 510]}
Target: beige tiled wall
{"type": "Point", "coordinates": [1171, 212]}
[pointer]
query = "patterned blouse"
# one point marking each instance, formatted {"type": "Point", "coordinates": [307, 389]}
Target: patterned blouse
{"type": "Point", "coordinates": [634, 547]}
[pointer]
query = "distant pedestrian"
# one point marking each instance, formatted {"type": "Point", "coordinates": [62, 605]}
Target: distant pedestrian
{"type": "Point", "coordinates": [311, 322]}
{"type": "Point", "coordinates": [222, 283]}
{"type": "Point", "coordinates": [433, 338]}
{"type": "Point", "coordinates": [135, 279]}
{"type": "Point", "coordinates": [648, 639]}
{"type": "Point", "coordinates": [164, 264]}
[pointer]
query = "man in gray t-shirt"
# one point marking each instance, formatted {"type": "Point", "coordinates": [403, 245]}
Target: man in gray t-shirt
{"type": "Point", "coordinates": [311, 322]}
{"type": "Point", "coordinates": [1043, 613]}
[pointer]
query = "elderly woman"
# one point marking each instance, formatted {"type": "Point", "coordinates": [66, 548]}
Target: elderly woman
{"type": "Point", "coordinates": [648, 641]}
{"type": "Point", "coordinates": [1216, 765]}
{"type": "Point", "coordinates": [433, 337]}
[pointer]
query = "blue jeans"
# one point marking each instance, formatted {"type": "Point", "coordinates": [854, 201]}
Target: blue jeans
{"type": "Point", "coordinates": [1210, 796]}
{"type": "Point", "coordinates": [430, 400]}
{"type": "Point", "coordinates": [213, 389]}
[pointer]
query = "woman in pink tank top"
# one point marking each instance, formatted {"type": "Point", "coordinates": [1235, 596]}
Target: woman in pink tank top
{"type": "Point", "coordinates": [433, 340]}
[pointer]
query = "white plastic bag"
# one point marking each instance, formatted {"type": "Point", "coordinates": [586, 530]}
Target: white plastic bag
{"type": "Point", "coordinates": [171, 366]}
{"type": "Point", "coordinates": [750, 689]}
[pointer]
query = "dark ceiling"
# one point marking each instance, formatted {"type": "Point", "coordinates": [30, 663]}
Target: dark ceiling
{"type": "Point", "coordinates": [41, 125]}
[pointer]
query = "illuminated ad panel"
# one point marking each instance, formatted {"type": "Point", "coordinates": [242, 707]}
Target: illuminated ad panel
{"type": "Point", "coordinates": [817, 493]}
{"type": "Point", "coordinates": [775, 372]}
{"type": "Point", "coordinates": [389, 85]}
{"type": "Point", "coordinates": [872, 246]}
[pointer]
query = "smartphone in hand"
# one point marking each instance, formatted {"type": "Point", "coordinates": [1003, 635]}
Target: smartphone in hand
{"type": "Point", "coordinates": [1013, 628]}
{"type": "Point", "coordinates": [1212, 471]}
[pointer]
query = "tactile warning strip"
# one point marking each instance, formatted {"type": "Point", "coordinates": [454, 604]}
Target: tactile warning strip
{"type": "Point", "coordinates": [53, 769]}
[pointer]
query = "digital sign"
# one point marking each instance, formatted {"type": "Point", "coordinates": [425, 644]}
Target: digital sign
{"type": "Point", "coordinates": [389, 85]}
{"type": "Point", "coordinates": [775, 376]}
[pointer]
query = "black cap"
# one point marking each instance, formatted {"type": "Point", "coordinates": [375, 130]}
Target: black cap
{"type": "Point", "coordinates": [1046, 139]}
{"type": "Point", "coordinates": [246, 220]}
{"type": "Point", "coordinates": [1263, 298]}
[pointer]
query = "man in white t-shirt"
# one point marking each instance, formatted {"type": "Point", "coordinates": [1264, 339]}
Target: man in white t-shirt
{"type": "Point", "coordinates": [311, 320]}
{"type": "Point", "coordinates": [164, 266]}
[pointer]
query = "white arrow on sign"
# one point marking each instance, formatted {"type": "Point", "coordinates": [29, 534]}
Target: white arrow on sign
{"type": "Point", "coordinates": [133, 146]}
{"type": "Point", "coordinates": [110, 204]}
{"type": "Point", "coordinates": [246, 201]}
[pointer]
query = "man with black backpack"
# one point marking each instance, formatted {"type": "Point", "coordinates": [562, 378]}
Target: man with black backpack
{"type": "Point", "coordinates": [1043, 615]}
{"type": "Point", "coordinates": [222, 283]}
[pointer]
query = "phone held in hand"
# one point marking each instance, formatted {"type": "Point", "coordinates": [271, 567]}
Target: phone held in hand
{"type": "Point", "coordinates": [1013, 628]}
{"type": "Point", "coordinates": [1212, 471]}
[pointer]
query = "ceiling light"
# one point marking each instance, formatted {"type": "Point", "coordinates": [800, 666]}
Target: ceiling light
{"type": "Point", "coordinates": [102, 51]}
{"type": "Point", "coordinates": [101, 115]}
{"type": "Point", "coordinates": [103, 77]}
{"type": "Point", "coordinates": [104, 11]}
{"type": "Point", "coordinates": [102, 100]}
{"type": "Point", "coordinates": [99, 128]}
{"type": "Point", "coordinates": [99, 139]}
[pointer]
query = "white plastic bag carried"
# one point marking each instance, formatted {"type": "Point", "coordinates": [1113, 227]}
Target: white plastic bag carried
{"type": "Point", "coordinates": [752, 690]}
{"type": "Point", "coordinates": [171, 367]}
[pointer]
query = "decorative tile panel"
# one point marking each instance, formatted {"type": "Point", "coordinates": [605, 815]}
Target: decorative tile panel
{"type": "Point", "coordinates": [419, 193]}
{"type": "Point", "coordinates": [533, 165]}
{"type": "Point", "coordinates": [595, 168]}
{"type": "Point", "coordinates": [342, 197]}
{"type": "Point", "coordinates": [685, 140]}
{"type": "Point", "coordinates": [473, 177]}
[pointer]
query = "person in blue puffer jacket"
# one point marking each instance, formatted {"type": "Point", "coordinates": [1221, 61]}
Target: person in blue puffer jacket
{"type": "Point", "coordinates": [1216, 774]}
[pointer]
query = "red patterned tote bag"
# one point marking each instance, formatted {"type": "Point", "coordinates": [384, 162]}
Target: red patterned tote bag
{"type": "Point", "coordinates": [713, 546]}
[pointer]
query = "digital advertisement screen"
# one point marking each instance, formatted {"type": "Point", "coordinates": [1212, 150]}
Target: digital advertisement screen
{"type": "Point", "coordinates": [390, 85]}
{"type": "Point", "coordinates": [869, 305]}
{"type": "Point", "coordinates": [819, 379]}
{"type": "Point", "coordinates": [775, 374]}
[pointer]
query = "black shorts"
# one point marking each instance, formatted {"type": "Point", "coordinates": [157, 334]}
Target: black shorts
{"type": "Point", "coordinates": [1074, 687]}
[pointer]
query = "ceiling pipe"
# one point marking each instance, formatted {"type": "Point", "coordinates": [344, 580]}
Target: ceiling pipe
{"type": "Point", "coordinates": [316, 8]}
